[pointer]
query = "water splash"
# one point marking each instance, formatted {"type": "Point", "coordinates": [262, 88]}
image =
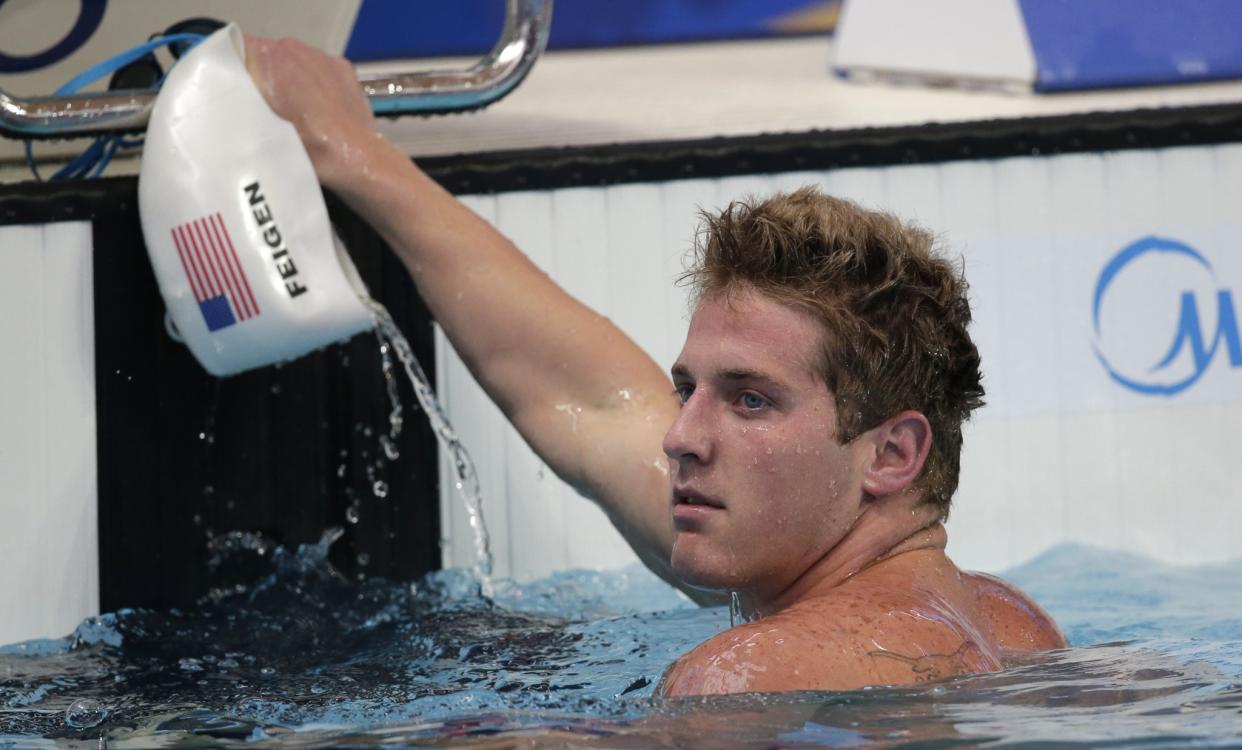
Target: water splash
{"type": "Point", "coordinates": [85, 713]}
{"type": "Point", "coordinates": [395, 419]}
{"type": "Point", "coordinates": [222, 547]}
{"type": "Point", "coordinates": [466, 480]}
{"type": "Point", "coordinates": [738, 615]}
{"type": "Point", "coordinates": [390, 447]}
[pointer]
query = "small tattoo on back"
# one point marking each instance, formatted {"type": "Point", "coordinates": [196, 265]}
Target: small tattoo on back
{"type": "Point", "coordinates": [934, 666]}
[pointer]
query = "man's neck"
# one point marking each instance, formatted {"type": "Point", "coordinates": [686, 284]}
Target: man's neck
{"type": "Point", "coordinates": [882, 532]}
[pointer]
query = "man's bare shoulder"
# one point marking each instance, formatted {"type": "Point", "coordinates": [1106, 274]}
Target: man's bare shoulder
{"type": "Point", "coordinates": [773, 654]}
{"type": "Point", "coordinates": [843, 642]}
{"type": "Point", "coordinates": [1016, 623]}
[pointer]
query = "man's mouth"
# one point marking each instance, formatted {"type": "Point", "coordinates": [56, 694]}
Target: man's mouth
{"type": "Point", "coordinates": [686, 496]}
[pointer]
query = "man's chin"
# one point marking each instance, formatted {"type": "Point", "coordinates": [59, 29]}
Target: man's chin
{"type": "Point", "coordinates": [701, 574]}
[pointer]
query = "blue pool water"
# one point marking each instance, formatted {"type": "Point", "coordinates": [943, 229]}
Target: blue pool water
{"type": "Point", "coordinates": [305, 658]}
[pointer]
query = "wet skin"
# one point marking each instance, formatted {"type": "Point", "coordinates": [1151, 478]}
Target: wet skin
{"type": "Point", "coordinates": [911, 618]}
{"type": "Point", "coordinates": [828, 542]}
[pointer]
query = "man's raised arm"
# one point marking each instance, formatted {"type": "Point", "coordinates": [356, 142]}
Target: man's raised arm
{"type": "Point", "coordinates": [591, 403]}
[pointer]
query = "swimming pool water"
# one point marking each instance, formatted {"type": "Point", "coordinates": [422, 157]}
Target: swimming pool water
{"type": "Point", "coordinates": [306, 658]}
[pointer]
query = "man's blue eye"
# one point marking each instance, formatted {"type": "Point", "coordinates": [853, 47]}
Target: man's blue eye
{"type": "Point", "coordinates": [751, 401]}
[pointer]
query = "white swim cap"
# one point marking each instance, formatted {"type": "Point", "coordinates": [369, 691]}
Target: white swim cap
{"type": "Point", "coordinates": [235, 222]}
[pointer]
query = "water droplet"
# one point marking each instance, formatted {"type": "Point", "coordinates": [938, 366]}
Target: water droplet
{"type": "Point", "coordinates": [364, 559]}
{"type": "Point", "coordinates": [390, 448]}
{"type": "Point", "coordinates": [190, 664]}
{"type": "Point", "coordinates": [380, 488]}
{"type": "Point", "coordinates": [228, 664]}
{"type": "Point", "coordinates": [85, 713]}
{"type": "Point", "coordinates": [351, 514]}
{"type": "Point", "coordinates": [267, 671]}
{"type": "Point", "coordinates": [939, 690]}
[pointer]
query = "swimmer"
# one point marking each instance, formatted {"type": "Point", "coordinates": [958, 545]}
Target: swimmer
{"type": "Point", "coordinates": [805, 449]}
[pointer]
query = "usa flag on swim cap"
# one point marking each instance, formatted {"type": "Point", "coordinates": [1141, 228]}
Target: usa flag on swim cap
{"type": "Point", "coordinates": [214, 271]}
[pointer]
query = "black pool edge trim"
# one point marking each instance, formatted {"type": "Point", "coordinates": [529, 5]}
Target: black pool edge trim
{"type": "Point", "coordinates": [767, 153]}
{"type": "Point", "coordinates": [774, 153]}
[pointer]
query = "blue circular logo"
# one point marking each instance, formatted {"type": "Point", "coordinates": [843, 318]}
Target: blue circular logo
{"type": "Point", "coordinates": [89, 17]}
{"type": "Point", "coordinates": [1189, 346]}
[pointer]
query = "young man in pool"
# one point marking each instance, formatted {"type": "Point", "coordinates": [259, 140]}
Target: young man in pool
{"type": "Point", "coordinates": [805, 451]}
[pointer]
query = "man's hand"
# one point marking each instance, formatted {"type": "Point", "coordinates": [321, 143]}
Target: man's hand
{"type": "Point", "coordinates": [320, 95]}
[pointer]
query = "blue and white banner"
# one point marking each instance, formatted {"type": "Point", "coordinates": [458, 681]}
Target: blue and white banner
{"type": "Point", "coordinates": [1106, 43]}
{"type": "Point", "coordinates": [45, 43]}
{"type": "Point", "coordinates": [62, 37]}
{"type": "Point", "coordinates": [1042, 45]}
{"type": "Point", "coordinates": [388, 29]}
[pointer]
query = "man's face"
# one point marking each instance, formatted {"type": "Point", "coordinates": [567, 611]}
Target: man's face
{"type": "Point", "coordinates": [762, 489]}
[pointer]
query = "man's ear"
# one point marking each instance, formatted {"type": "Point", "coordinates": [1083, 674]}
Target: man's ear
{"type": "Point", "coordinates": [901, 443]}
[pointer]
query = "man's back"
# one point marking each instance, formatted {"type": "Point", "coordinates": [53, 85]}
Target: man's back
{"type": "Point", "coordinates": [910, 618]}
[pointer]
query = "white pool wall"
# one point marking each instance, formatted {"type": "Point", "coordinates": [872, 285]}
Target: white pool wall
{"type": "Point", "coordinates": [49, 539]}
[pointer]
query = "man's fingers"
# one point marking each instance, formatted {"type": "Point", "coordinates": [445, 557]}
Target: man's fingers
{"type": "Point", "coordinates": [256, 50]}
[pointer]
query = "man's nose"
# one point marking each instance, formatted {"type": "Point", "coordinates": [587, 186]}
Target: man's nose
{"type": "Point", "coordinates": [689, 437]}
